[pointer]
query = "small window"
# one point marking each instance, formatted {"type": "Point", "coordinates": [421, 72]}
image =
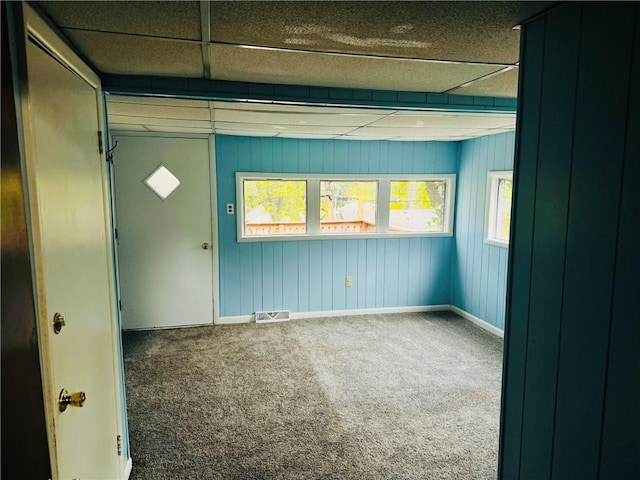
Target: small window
{"type": "Point", "coordinates": [348, 207]}
{"type": "Point", "coordinates": [498, 211]}
{"type": "Point", "coordinates": [417, 206]}
{"type": "Point", "coordinates": [274, 207]}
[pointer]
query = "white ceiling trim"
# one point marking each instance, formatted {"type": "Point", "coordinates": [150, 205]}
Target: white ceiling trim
{"type": "Point", "coordinates": [295, 121]}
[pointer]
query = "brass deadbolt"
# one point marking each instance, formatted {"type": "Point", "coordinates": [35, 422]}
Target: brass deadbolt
{"type": "Point", "coordinates": [58, 322]}
{"type": "Point", "coordinates": [76, 399]}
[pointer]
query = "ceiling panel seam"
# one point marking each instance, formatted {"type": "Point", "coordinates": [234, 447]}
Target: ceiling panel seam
{"type": "Point", "coordinates": [205, 29]}
{"type": "Point", "coordinates": [296, 50]}
{"type": "Point", "coordinates": [482, 77]}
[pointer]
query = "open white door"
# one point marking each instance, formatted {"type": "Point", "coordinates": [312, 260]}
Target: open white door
{"type": "Point", "coordinates": [61, 104]}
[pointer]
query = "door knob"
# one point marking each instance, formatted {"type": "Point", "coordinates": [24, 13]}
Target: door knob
{"type": "Point", "coordinates": [76, 399]}
{"type": "Point", "coordinates": [206, 246]}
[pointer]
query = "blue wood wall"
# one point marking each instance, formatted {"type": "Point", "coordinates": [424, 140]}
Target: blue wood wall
{"type": "Point", "coordinates": [306, 276]}
{"type": "Point", "coordinates": [479, 273]}
{"type": "Point", "coordinates": [572, 364]}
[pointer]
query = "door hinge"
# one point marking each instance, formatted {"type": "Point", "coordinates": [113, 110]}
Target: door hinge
{"type": "Point", "coordinates": [119, 443]}
{"type": "Point", "coordinates": [120, 304]}
{"type": "Point", "coordinates": [115, 232]}
{"type": "Point", "coordinates": [100, 142]}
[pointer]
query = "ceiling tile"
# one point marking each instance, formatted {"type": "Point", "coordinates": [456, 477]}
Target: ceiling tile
{"type": "Point", "coordinates": [245, 133]}
{"type": "Point", "coordinates": [363, 138]}
{"type": "Point", "coordinates": [281, 107]}
{"type": "Point", "coordinates": [338, 120]}
{"type": "Point", "coordinates": [309, 136]}
{"type": "Point", "coordinates": [502, 85]}
{"type": "Point", "coordinates": [414, 132]}
{"type": "Point", "coordinates": [159, 111]}
{"type": "Point", "coordinates": [130, 55]}
{"type": "Point", "coordinates": [169, 102]}
{"type": "Point", "coordinates": [444, 120]}
{"type": "Point", "coordinates": [120, 119]}
{"type": "Point", "coordinates": [283, 128]}
{"type": "Point", "coordinates": [159, 19]}
{"type": "Point", "coordinates": [115, 127]}
{"type": "Point", "coordinates": [463, 31]}
{"type": "Point", "coordinates": [172, 129]}
{"type": "Point", "coordinates": [316, 69]}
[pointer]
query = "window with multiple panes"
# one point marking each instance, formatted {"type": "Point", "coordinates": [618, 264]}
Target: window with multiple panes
{"type": "Point", "coordinates": [311, 206]}
{"type": "Point", "coordinates": [498, 208]}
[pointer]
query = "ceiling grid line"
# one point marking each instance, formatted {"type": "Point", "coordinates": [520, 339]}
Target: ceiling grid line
{"type": "Point", "coordinates": [205, 34]}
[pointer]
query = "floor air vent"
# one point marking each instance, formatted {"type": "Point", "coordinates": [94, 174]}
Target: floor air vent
{"type": "Point", "coordinates": [263, 317]}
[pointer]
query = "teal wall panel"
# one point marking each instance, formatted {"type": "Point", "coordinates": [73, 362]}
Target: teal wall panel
{"type": "Point", "coordinates": [479, 270]}
{"type": "Point", "coordinates": [572, 364]}
{"type": "Point", "coordinates": [521, 239]}
{"type": "Point", "coordinates": [310, 275]}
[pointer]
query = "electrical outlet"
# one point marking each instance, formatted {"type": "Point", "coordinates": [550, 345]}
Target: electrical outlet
{"type": "Point", "coordinates": [230, 209]}
{"type": "Point", "coordinates": [348, 281]}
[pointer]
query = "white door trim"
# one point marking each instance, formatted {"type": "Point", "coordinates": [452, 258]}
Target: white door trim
{"type": "Point", "coordinates": [214, 230]}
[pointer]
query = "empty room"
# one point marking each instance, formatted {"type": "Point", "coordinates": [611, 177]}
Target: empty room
{"type": "Point", "coordinates": [320, 240]}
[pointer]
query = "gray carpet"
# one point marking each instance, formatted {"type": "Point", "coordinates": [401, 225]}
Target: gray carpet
{"type": "Point", "coordinates": [410, 396]}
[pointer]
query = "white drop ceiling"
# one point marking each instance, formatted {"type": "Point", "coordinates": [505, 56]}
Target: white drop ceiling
{"type": "Point", "coordinates": [168, 115]}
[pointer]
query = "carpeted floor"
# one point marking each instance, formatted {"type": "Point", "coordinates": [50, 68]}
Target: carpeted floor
{"type": "Point", "coordinates": [409, 396]}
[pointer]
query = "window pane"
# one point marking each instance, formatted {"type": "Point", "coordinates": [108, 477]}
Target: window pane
{"type": "Point", "coordinates": [417, 206]}
{"type": "Point", "coordinates": [503, 213]}
{"type": "Point", "coordinates": [275, 207]}
{"type": "Point", "coordinates": [348, 207]}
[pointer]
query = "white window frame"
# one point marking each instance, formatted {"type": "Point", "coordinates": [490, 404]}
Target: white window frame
{"type": "Point", "coordinates": [491, 207]}
{"type": "Point", "coordinates": [313, 205]}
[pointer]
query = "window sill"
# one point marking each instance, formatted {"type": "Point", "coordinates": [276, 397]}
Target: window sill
{"type": "Point", "coordinates": [338, 236]}
{"type": "Point", "coordinates": [496, 243]}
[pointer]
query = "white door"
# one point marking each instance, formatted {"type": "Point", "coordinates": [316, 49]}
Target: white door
{"type": "Point", "coordinates": [164, 244]}
{"type": "Point", "coordinates": [66, 178]}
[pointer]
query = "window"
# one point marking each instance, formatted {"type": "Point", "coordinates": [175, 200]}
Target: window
{"type": "Point", "coordinates": [417, 206]}
{"type": "Point", "coordinates": [498, 211]}
{"type": "Point", "coordinates": [274, 207]}
{"type": "Point", "coordinates": [313, 206]}
{"type": "Point", "coordinates": [347, 207]}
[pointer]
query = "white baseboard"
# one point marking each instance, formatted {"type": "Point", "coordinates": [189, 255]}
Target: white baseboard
{"type": "Point", "coordinates": [164, 327]}
{"type": "Point", "coordinates": [235, 319]}
{"type": "Point", "coordinates": [478, 321]}
{"type": "Point", "coordinates": [127, 469]}
{"type": "Point", "coordinates": [370, 311]}
{"type": "Point", "coordinates": [340, 313]}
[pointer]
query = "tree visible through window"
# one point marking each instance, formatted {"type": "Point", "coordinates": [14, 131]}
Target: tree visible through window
{"type": "Point", "coordinates": [348, 206]}
{"type": "Point", "coordinates": [417, 206]}
{"type": "Point", "coordinates": [275, 207]}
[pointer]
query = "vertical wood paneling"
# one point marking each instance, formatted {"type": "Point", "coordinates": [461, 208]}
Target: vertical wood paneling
{"type": "Point", "coordinates": [620, 445]}
{"type": "Point", "coordinates": [310, 275]}
{"type": "Point", "coordinates": [290, 280]}
{"type": "Point", "coordinates": [316, 298]}
{"type": "Point", "coordinates": [267, 277]}
{"type": "Point", "coordinates": [591, 234]}
{"type": "Point", "coordinates": [530, 83]}
{"type": "Point", "coordinates": [572, 302]}
{"type": "Point", "coordinates": [479, 270]}
{"type": "Point", "coordinates": [325, 264]}
{"type": "Point", "coordinates": [361, 275]}
{"type": "Point", "coordinates": [256, 275]}
{"type": "Point", "coordinates": [554, 167]}
{"type": "Point", "coordinates": [339, 260]}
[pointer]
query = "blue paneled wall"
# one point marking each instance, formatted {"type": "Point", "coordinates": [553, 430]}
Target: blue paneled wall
{"type": "Point", "coordinates": [479, 270]}
{"type": "Point", "coordinates": [309, 276]}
